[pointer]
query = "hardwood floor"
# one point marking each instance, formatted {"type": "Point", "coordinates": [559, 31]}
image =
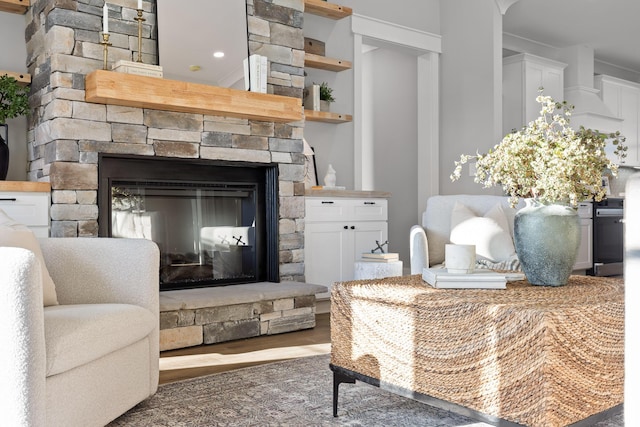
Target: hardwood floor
{"type": "Point", "coordinates": [208, 359]}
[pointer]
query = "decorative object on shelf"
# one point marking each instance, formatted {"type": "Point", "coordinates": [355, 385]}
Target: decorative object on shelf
{"type": "Point", "coordinates": [14, 102]}
{"type": "Point", "coordinates": [105, 35]}
{"type": "Point", "coordinates": [551, 163]}
{"type": "Point", "coordinates": [326, 97]}
{"type": "Point", "coordinates": [310, 170]}
{"type": "Point", "coordinates": [330, 177]}
{"type": "Point", "coordinates": [314, 46]}
{"type": "Point", "coordinates": [138, 68]}
{"type": "Point", "coordinates": [255, 73]}
{"type": "Point", "coordinates": [140, 20]}
{"type": "Point", "coordinates": [312, 97]}
{"type": "Point", "coordinates": [380, 247]}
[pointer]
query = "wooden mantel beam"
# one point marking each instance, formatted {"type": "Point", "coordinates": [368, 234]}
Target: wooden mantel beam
{"type": "Point", "coordinates": [129, 90]}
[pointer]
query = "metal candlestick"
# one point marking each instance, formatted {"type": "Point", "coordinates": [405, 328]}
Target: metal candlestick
{"type": "Point", "coordinates": [105, 44]}
{"type": "Point", "coordinates": [140, 20]}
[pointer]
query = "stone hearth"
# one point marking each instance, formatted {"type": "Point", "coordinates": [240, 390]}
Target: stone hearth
{"type": "Point", "coordinates": [210, 315]}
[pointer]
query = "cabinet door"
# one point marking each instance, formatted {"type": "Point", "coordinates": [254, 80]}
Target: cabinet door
{"type": "Point", "coordinates": [584, 260]}
{"type": "Point", "coordinates": [623, 100]}
{"type": "Point", "coordinates": [327, 247]}
{"type": "Point", "coordinates": [365, 235]}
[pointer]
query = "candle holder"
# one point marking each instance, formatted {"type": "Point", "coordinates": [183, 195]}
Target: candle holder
{"type": "Point", "coordinates": [140, 20]}
{"type": "Point", "coordinates": [105, 49]}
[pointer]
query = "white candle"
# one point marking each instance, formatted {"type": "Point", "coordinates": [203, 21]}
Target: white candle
{"type": "Point", "coordinates": [105, 19]}
{"type": "Point", "coordinates": [139, 4]}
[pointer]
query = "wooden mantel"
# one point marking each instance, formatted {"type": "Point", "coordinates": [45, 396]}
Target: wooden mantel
{"type": "Point", "coordinates": [129, 90]}
{"type": "Point", "coordinates": [14, 6]}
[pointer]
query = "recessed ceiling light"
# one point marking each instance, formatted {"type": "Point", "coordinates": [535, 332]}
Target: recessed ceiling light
{"type": "Point", "coordinates": [194, 67]}
{"type": "Point", "coordinates": [218, 54]}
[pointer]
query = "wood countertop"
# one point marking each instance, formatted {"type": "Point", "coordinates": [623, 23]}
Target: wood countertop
{"type": "Point", "coordinates": [348, 193]}
{"type": "Point", "coordinates": [25, 186]}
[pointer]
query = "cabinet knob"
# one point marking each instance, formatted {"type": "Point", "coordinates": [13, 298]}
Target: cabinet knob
{"type": "Point", "coordinates": [353, 227]}
{"type": "Point", "coordinates": [346, 227]}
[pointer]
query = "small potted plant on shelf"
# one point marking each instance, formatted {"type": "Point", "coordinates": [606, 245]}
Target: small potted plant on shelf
{"type": "Point", "coordinates": [326, 97]}
{"type": "Point", "coordinates": [14, 102]}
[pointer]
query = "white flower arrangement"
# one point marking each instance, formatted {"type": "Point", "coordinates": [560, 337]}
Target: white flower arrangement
{"type": "Point", "coordinates": [547, 160]}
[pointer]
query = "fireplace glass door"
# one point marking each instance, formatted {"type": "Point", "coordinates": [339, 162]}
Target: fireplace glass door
{"type": "Point", "coordinates": [206, 232]}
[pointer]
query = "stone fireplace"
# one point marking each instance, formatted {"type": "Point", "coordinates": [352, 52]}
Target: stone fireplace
{"type": "Point", "coordinates": [68, 135]}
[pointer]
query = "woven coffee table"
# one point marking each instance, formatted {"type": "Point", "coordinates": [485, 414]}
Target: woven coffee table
{"type": "Point", "coordinates": [531, 355]}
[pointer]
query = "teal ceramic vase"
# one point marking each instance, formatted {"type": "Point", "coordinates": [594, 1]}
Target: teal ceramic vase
{"type": "Point", "coordinates": [547, 238]}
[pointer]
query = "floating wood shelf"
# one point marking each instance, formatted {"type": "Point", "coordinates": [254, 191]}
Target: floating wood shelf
{"type": "Point", "coordinates": [23, 79]}
{"type": "Point", "coordinates": [109, 87]}
{"type": "Point", "coordinates": [326, 9]}
{"type": "Point", "coordinates": [14, 6]}
{"type": "Point", "coordinates": [324, 63]}
{"type": "Point", "coordinates": [326, 117]}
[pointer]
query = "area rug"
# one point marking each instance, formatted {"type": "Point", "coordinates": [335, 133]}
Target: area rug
{"type": "Point", "coordinates": [296, 392]}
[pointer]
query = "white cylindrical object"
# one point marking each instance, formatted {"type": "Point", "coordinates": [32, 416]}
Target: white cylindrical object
{"type": "Point", "coordinates": [105, 19]}
{"type": "Point", "coordinates": [460, 258]}
{"type": "Point", "coordinates": [139, 4]}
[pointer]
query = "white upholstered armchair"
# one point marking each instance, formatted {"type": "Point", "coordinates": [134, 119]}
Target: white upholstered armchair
{"type": "Point", "coordinates": [485, 221]}
{"type": "Point", "coordinates": [92, 356]}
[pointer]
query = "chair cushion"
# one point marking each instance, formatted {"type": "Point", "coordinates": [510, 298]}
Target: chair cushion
{"type": "Point", "coordinates": [489, 233]}
{"type": "Point", "coordinates": [14, 234]}
{"type": "Point", "coordinates": [80, 333]}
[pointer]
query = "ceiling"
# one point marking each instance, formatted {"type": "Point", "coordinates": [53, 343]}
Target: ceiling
{"type": "Point", "coordinates": [610, 27]}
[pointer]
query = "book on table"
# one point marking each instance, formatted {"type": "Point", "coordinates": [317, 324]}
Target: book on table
{"type": "Point", "coordinates": [479, 279]}
{"type": "Point", "coordinates": [390, 256]}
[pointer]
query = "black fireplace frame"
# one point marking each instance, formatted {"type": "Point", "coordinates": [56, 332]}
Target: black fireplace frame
{"type": "Point", "coordinates": [162, 169]}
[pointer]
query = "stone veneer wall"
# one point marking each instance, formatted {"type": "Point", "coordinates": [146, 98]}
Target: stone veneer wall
{"type": "Point", "coordinates": [66, 133]}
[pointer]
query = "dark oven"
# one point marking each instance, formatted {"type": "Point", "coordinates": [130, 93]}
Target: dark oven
{"type": "Point", "coordinates": [608, 237]}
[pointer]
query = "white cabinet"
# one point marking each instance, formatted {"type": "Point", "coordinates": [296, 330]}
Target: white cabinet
{"type": "Point", "coordinates": [337, 231]}
{"type": "Point", "coordinates": [522, 77]}
{"type": "Point", "coordinates": [622, 97]}
{"type": "Point", "coordinates": [584, 258]}
{"type": "Point", "coordinates": [30, 207]}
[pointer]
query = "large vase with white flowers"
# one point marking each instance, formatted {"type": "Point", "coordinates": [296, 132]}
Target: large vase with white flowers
{"type": "Point", "coordinates": [553, 167]}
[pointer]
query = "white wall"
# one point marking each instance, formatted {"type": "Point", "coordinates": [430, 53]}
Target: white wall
{"type": "Point", "coordinates": [471, 86]}
{"type": "Point", "coordinates": [394, 134]}
{"type": "Point", "coordinates": [13, 58]}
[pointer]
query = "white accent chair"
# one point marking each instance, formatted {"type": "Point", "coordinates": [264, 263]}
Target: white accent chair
{"type": "Point", "coordinates": [427, 247]}
{"type": "Point", "coordinates": [89, 359]}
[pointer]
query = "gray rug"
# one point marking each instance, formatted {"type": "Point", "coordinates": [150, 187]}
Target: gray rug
{"type": "Point", "coordinates": [291, 393]}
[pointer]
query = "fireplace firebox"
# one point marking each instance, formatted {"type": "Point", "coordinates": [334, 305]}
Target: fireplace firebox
{"type": "Point", "coordinates": [215, 222]}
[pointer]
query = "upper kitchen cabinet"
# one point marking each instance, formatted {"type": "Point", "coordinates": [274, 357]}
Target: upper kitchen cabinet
{"type": "Point", "coordinates": [622, 97]}
{"type": "Point", "coordinates": [522, 77]}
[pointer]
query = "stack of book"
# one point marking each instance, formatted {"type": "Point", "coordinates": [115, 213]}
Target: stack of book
{"type": "Point", "coordinates": [255, 73]}
{"type": "Point", "coordinates": [378, 257]}
{"type": "Point", "coordinates": [479, 279]}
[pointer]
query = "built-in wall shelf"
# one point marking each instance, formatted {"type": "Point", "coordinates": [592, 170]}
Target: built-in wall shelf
{"type": "Point", "coordinates": [326, 9]}
{"type": "Point", "coordinates": [129, 90]}
{"type": "Point", "coordinates": [325, 63]}
{"type": "Point", "coordinates": [14, 6]}
{"type": "Point", "coordinates": [326, 117]}
{"type": "Point", "coordinates": [22, 78]}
